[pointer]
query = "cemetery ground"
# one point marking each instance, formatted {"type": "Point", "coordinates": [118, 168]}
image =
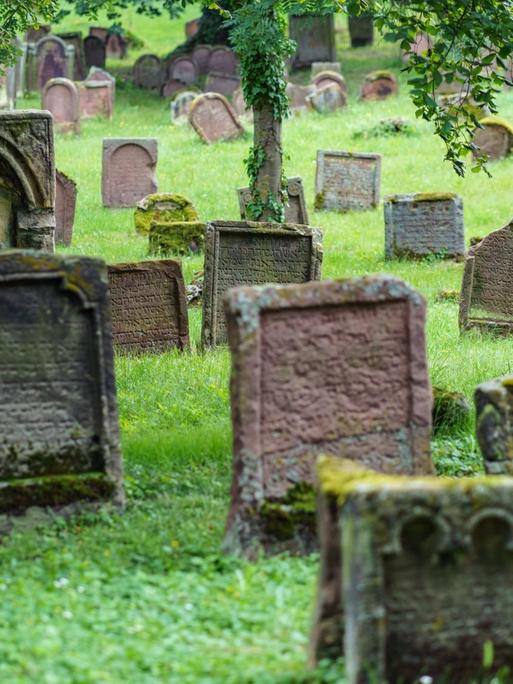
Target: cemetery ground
{"type": "Point", "coordinates": [147, 597]}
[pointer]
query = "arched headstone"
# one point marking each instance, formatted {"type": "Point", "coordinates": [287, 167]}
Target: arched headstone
{"type": "Point", "coordinates": [95, 99]}
{"type": "Point", "coordinates": [171, 87]}
{"type": "Point", "coordinates": [60, 97]}
{"type": "Point", "coordinates": [494, 139]}
{"type": "Point", "coordinates": [128, 170]}
{"type": "Point", "coordinates": [201, 55]}
{"type": "Point", "coordinates": [147, 72]}
{"type": "Point", "coordinates": [223, 60]}
{"type": "Point", "coordinates": [325, 78]}
{"type": "Point", "coordinates": [116, 46]}
{"type": "Point", "coordinates": [225, 84]}
{"type": "Point", "coordinates": [214, 119]}
{"type": "Point", "coordinates": [51, 59]}
{"type": "Point", "coordinates": [183, 69]}
{"type": "Point", "coordinates": [94, 49]}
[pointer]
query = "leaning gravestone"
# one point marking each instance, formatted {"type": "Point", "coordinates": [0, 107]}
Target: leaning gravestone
{"type": "Point", "coordinates": [201, 56]}
{"type": "Point", "coordinates": [336, 367]}
{"type": "Point", "coordinates": [486, 300]}
{"type": "Point", "coordinates": [494, 138]}
{"type": "Point", "coordinates": [128, 170]}
{"type": "Point", "coordinates": [246, 253]}
{"type": "Point", "coordinates": [180, 106]}
{"type": "Point", "coordinates": [65, 204]}
{"type": "Point", "coordinates": [183, 69]}
{"type": "Point", "coordinates": [60, 97]}
{"type": "Point", "coordinates": [298, 95]}
{"type": "Point", "coordinates": [315, 38]}
{"type": "Point", "coordinates": [361, 31]}
{"type": "Point", "coordinates": [327, 99]}
{"type": "Point", "coordinates": [379, 85]}
{"type": "Point", "coordinates": [95, 99]}
{"type": "Point", "coordinates": [222, 60]}
{"type": "Point", "coordinates": [494, 424]}
{"type": "Point", "coordinates": [94, 49]}
{"type": "Point", "coordinates": [427, 564]}
{"type": "Point", "coordinates": [225, 84]}
{"type": "Point", "coordinates": [60, 443]}
{"type": "Point", "coordinates": [27, 180]}
{"type": "Point", "coordinates": [149, 311]}
{"type": "Point", "coordinates": [54, 59]}
{"type": "Point", "coordinates": [295, 211]}
{"type": "Point", "coordinates": [214, 119]}
{"type": "Point", "coordinates": [422, 224]}
{"type": "Point", "coordinates": [147, 72]}
{"type": "Point", "coordinates": [163, 207]}
{"type": "Point", "coordinates": [346, 181]}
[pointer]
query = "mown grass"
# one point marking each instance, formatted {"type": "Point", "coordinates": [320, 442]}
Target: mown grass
{"type": "Point", "coordinates": [146, 597]}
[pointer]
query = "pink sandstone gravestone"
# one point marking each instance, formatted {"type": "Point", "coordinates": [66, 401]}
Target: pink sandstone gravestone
{"type": "Point", "coordinates": [494, 139]}
{"type": "Point", "coordinates": [346, 181]}
{"type": "Point", "coordinates": [224, 84]}
{"type": "Point", "coordinates": [60, 97]}
{"type": "Point", "coordinates": [96, 74]}
{"type": "Point", "coordinates": [214, 119]}
{"type": "Point", "coordinates": [128, 170]}
{"type": "Point", "coordinates": [116, 46]}
{"type": "Point", "coordinates": [201, 55]}
{"type": "Point", "coordinates": [51, 60]}
{"type": "Point", "coordinates": [183, 69]}
{"type": "Point", "coordinates": [223, 60]}
{"type": "Point", "coordinates": [65, 204]}
{"type": "Point", "coordinates": [170, 88]}
{"type": "Point", "coordinates": [99, 32]}
{"type": "Point", "coordinates": [295, 210]}
{"type": "Point", "coordinates": [95, 99]}
{"type": "Point", "coordinates": [324, 78]}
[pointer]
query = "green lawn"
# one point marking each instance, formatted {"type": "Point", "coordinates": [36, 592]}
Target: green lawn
{"type": "Point", "coordinates": [146, 597]}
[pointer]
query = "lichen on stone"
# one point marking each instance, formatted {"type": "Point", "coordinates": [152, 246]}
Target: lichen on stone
{"type": "Point", "coordinates": [164, 208]}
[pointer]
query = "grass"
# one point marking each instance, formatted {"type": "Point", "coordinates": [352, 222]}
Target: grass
{"type": "Point", "coordinates": [146, 597]}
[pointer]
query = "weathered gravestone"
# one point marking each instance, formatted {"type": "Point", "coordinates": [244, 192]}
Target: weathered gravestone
{"type": "Point", "coordinates": [494, 138]}
{"type": "Point", "coordinates": [149, 311]}
{"type": "Point", "coordinates": [53, 59]}
{"type": "Point", "coordinates": [183, 69]}
{"type": "Point", "coordinates": [486, 299]}
{"type": "Point", "coordinates": [97, 74]}
{"type": "Point", "coordinates": [422, 224]}
{"type": "Point", "coordinates": [75, 40]}
{"type": "Point", "coordinates": [201, 56]}
{"type": "Point", "coordinates": [59, 446]}
{"type": "Point", "coordinates": [225, 84]}
{"type": "Point", "coordinates": [95, 99]}
{"type": "Point", "coordinates": [128, 170]}
{"type": "Point", "coordinates": [191, 27]}
{"type": "Point", "coordinates": [222, 60]}
{"type": "Point", "coordinates": [346, 181]}
{"type": "Point", "coordinates": [147, 72]}
{"type": "Point", "coordinates": [298, 95]}
{"type": "Point", "coordinates": [163, 207]}
{"type": "Point", "coordinates": [176, 237]}
{"type": "Point", "coordinates": [245, 253]}
{"type": "Point", "coordinates": [319, 67]}
{"type": "Point", "coordinates": [116, 46]}
{"type": "Point", "coordinates": [295, 211]}
{"type": "Point", "coordinates": [335, 367]}
{"type": "Point", "coordinates": [315, 38]}
{"type": "Point", "coordinates": [171, 87]}
{"type": "Point", "coordinates": [324, 78]}
{"type": "Point", "coordinates": [239, 104]}
{"type": "Point", "coordinates": [379, 85]}
{"type": "Point", "coordinates": [27, 180]}
{"type": "Point", "coordinates": [426, 576]}
{"type": "Point", "coordinates": [60, 97]}
{"type": "Point", "coordinates": [180, 106]}
{"type": "Point", "coordinates": [327, 99]}
{"type": "Point", "coordinates": [361, 31]}
{"type": "Point", "coordinates": [65, 204]}
{"type": "Point", "coordinates": [94, 50]}
{"type": "Point", "coordinates": [494, 424]}
{"type": "Point", "coordinates": [214, 119]}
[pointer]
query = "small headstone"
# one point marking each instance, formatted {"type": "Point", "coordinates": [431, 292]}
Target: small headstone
{"type": "Point", "coordinates": [170, 88]}
{"type": "Point", "coordinates": [319, 67]}
{"type": "Point", "coordinates": [65, 204]}
{"type": "Point", "coordinates": [147, 72]}
{"type": "Point", "coordinates": [176, 237]}
{"type": "Point", "coordinates": [163, 207]}
{"type": "Point", "coordinates": [298, 95]}
{"type": "Point", "coordinates": [422, 43]}
{"type": "Point", "coordinates": [335, 367]}
{"type": "Point", "coordinates": [97, 74]}
{"type": "Point", "coordinates": [422, 224]}
{"type": "Point", "coordinates": [149, 311]}
{"type": "Point", "coordinates": [75, 39]}
{"type": "Point", "coordinates": [59, 428]}
{"type": "Point", "coordinates": [52, 60]}
{"type": "Point", "coordinates": [324, 78]}
{"type": "Point", "coordinates": [327, 99]}
{"type": "Point", "coordinates": [222, 83]}
{"type": "Point", "coordinates": [379, 85]}
{"type": "Point", "coordinates": [99, 32]}
{"type": "Point", "coordinates": [487, 291]}
{"type": "Point", "coordinates": [222, 60]}
{"type": "Point", "coordinates": [241, 253]}
{"type": "Point", "coordinates": [295, 211]}
{"type": "Point", "coordinates": [116, 46]}
{"type": "Point", "coordinates": [94, 50]}
{"type": "Point", "coordinates": [494, 139]}
{"type": "Point", "coordinates": [60, 97]}
{"type": "Point", "coordinates": [128, 170]}
{"type": "Point", "coordinates": [494, 424]}
{"type": "Point", "coordinates": [214, 119]}
{"type": "Point", "coordinates": [180, 106]}
{"type": "Point", "coordinates": [361, 31]}
{"type": "Point", "coordinates": [95, 99]}
{"type": "Point", "coordinates": [183, 69]}
{"type": "Point", "coordinates": [191, 27]}
{"type": "Point", "coordinates": [315, 38]}
{"type": "Point", "coordinates": [346, 181]}
{"type": "Point", "coordinates": [201, 55]}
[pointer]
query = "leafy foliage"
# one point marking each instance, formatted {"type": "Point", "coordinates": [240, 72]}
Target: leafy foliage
{"type": "Point", "coordinates": [18, 16]}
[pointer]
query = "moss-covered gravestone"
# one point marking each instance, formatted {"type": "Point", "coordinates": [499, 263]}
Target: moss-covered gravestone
{"type": "Point", "coordinates": [176, 237]}
{"type": "Point", "coordinates": [494, 424]}
{"type": "Point", "coordinates": [59, 442]}
{"type": "Point", "coordinates": [163, 207]}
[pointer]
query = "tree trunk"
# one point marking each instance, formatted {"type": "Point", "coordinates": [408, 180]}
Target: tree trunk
{"type": "Point", "coordinates": [267, 137]}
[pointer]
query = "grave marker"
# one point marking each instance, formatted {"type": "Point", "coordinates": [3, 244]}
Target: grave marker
{"type": "Point", "coordinates": [379, 85]}
{"type": "Point", "coordinates": [180, 106]}
{"type": "Point", "coordinates": [224, 84]}
{"type": "Point", "coordinates": [319, 67]}
{"type": "Point", "coordinates": [95, 99]}
{"type": "Point", "coordinates": [147, 72]}
{"type": "Point", "coordinates": [170, 88]}
{"type": "Point", "coordinates": [94, 50]}
{"type": "Point", "coordinates": [163, 207]}
{"type": "Point", "coordinates": [324, 78]}
{"type": "Point", "coordinates": [298, 95]}
{"type": "Point", "coordinates": [327, 99]}
{"type": "Point", "coordinates": [346, 181]}
{"type": "Point", "coordinates": [128, 170]}
{"type": "Point", "coordinates": [184, 69]}
{"type": "Point", "coordinates": [60, 97]}
{"type": "Point", "coordinates": [494, 139]}
{"type": "Point", "coordinates": [75, 40]}
{"type": "Point", "coordinates": [214, 119]}
{"type": "Point", "coordinates": [201, 55]}
{"type": "Point", "coordinates": [295, 211]}
{"type": "Point", "coordinates": [176, 237]}
{"type": "Point", "coordinates": [222, 60]}
{"type": "Point", "coordinates": [65, 204]}
{"type": "Point", "coordinates": [116, 46]}
{"type": "Point", "coordinates": [361, 31]}
{"type": "Point", "coordinates": [54, 59]}
{"type": "Point", "coordinates": [99, 32]}
{"type": "Point", "coordinates": [315, 38]}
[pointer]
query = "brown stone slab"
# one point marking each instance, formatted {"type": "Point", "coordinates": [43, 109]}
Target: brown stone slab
{"type": "Point", "coordinates": [347, 181]}
{"type": "Point", "coordinates": [214, 119]}
{"type": "Point", "coordinates": [65, 204]}
{"type": "Point", "coordinates": [149, 310]}
{"type": "Point", "coordinates": [298, 95]}
{"type": "Point", "coordinates": [95, 99]}
{"type": "Point", "coordinates": [201, 55]}
{"type": "Point", "coordinates": [60, 97]}
{"type": "Point", "coordinates": [171, 87]}
{"type": "Point", "coordinates": [183, 69]}
{"type": "Point", "coordinates": [128, 170]}
{"type": "Point", "coordinates": [315, 38]}
{"type": "Point", "coordinates": [295, 211]}
{"type": "Point", "coordinates": [51, 60]}
{"type": "Point", "coordinates": [379, 85]}
{"type": "Point", "coordinates": [116, 46]}
{"type": "Point", "coordinates": [95, 53]}
{"type": "Point", "coordinates": [147, 72]}
{"type": "Point", "coordinates": [241, 253]}
{"type": "Point", "coordinates": [223, 60]}
{"type": "Point", "coordinates": [225, 84]}
{"type": "Point", "coordinates": [494, 139]}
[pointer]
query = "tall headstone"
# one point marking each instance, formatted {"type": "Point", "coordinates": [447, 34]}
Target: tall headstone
{"type": "Point", "coordinates": [361, 31]}
{"type": "Point", "coordinates": [493, 138]}
{"type": "Point", "coordinates": [295, 211]}
{"type": "Point", "coordinates": [60, 97]}
{"type": "Point", "coordinates": [241, 253]}
{"type": "Point", "coordinates": [128, 170]}
{"type": "Point", "coordinates": [53, 59]}
{"type": "Point", "coordinates": [346, 181]}
{"type": "Point", "coordinates": [116, 45]}
{"type": "Point", "coordinates": [94, 50]}
{"type": "Point", "coordinates": [59, 427]}
{"type": "Point", "coordinates": [147, 72]}
{"type": "Point", "coordinates": [336, 367]}
{"type": "Point", "coordinates": [184, 69]}
{"type": "Point", "coordinates": [149, 310]}
{"type": "Point", "coordinates": [65, 204]}
{"type": "Point", "coordinates": [315, 38]}
{"type": "Point", "coordinates": [214, 119]}
{"type": "Point", "coordinates": [95, 99]}
{"type": "Point", "coordinates": [424, 223]}
{"type": "Point", "coordinates": [74, 39]}
{"type": "Point", "coordinates": [27, 180]}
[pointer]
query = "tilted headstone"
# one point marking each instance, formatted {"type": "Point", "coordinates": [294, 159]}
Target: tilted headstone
{"type": "Point", "coordinates": [116, 46]}
{"type": "Point", "coordinates": [147, 72]}
{"type": "Point", "coordinates": [192, 27]}
{"type": "Point", "coordinates": [75, 40]}
{"type": "Point", "coordinates": [65, 204]}
{"type": "Point", "coordinates": [128, 170]}
{"type": "Point", "coordinates": [95, 53]}
{"type": "Point", "coordinates": [494, 424]}
{"type": "Point", "coordinates": [315, 38]}
{"type": "Point", "coordinates": [214, 119]}
{"type": "Point", "coordinates": [95, 99]}
{"type": "Point", "coordinates": [224, 84]}
{"type": "Point", "coordinates": [149, 311]}
{"type": "Point", "coordinates": [346, 181]}
{"type": "Point", "coordinates": [319, 67]}
{"type": "Point", "coordinates": [241, 253]}
{"type": "Point", "coordinates": [379, 85]}
{"type": "Point", "coordinates": [163, 207]}
{"type": "Point", "coordinates": [327, 99]}
{"type": "Point", "coordinates": [97, 74]}
{"type": "Point", "coordinates": [54, 59]}
{"type": "Point", "coordinates": [59, 426]}
{"type": "Point", "coordinates": [361, 31]}
{"type": "Point", "coordinates": [201, 55]}
{"type": "Point", "coordinates": [324, 78]}
{"type": "Point", "coordinates": [295, 211]}
{"type": "Point", "coordinates": [60, 97]}
{"type": "Point", "coordinates": [494, 139]}
{"type": "Point", "coordinates": [424, 223]}
{"type": "Point", "coordinates": [180, 106]}
{"type": "Point", "coordinates": [222, 60]}
{"type": "Point", "coordinates": [486, 299]}
{"type": "Point", "coordinates": [426, 576]}
{"type": "Point", "coordinates": [335, 367]}
{"type": "Point", "coordinates": [167, 238]}
{"type": "Point", "coordinates": [27, 180]}
{"type": "Point", "coordinates": [298, 95]}
{"type": "Point", "coordinates": [184, 69]}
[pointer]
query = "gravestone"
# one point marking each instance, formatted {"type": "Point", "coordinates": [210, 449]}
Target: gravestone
{"type": "Point", "coordinates": [426, 576]}
{"type": "Point", "coordinates": [245, 253]}
{"type": "Point", "coordinates": [336, 367]}
{"type": "Point", "coordinates": [214, 119]}
{"type": "Point", "coordinates": [201, 56]}
{"type": "Point", "coordinates": [20, 70]}
{"type": "Point", "coordinates": [95, 99]}
{"type": "Point", "coordinates": [65, 204]}
{"type": "Point", "coordinates": [295, 211]}
{"type": "Point", "coordinates": [94, 50]}
{"type": "Point", "coordinates": [361, 31]}
{"type": "Point", "coordinates": [147, 72]}
{"type": "Point", "coordinates": [298, 95]}
{"type": "Point", "coordinates": [180, 106]}
{"type": "Point", "coordinates": [424, 223]}
{"type": "Point", "coordinates": [324, 78]}
{"type": "Point", "coordinates": [319, 67]}
{"type": "Point", "coordinates": [422, 43]}
{"type": "Point", "coordinates": [494, 139]}
{"type": "Point", "coordinates": [494, 424]}
{"type": "Point", "coordinates": [379, 85]}
{"type": "Point", "coordinates": [191, 27]}
{"type": "Point", "coordinates": [327, 99]}
{"type": "Point", "coordinates": [27, 180]}
{"type": "Point", "coordinates": [75, 40]}
{"type": "Point", "coordinates": [486, 300]}
{"type": "Point", "coordinates": [116, 46]}
{"type": "Point", "coordinates": [60, 442]}
{"type": "Point", "coordinates": [315, 38]}
{"type": "Point", "coordinates": [60, 98]}
{"type": "Point", "coordinates": [183, 69]}
{"type": "Point", "coordinates": [128, 170]}
{"type": "Point", "coordinates": [149, 311]}
{"type": "Point", "coordinates": [170, 88]}
{"type": "Point", "coordinates": [167, 238]}
{"type": "Point", "coordinates": [345, 181]}
{"type": "Point", "coordinates": [222, 60]}
{"type": "Point", "coordinates": [163, 207]}
{"type": "Point", "coordinates": [54, 59]}
{"type": "Point", "coordinates": [224, 84]}
{"type": "Point", "coordinates": [99, 32]}
{"type": "Point", "coordinates": [8, 88]}
{"type": "Point", "coordinates": [97, 74]}
{"type": "Point", "coordinates": [239, 103]}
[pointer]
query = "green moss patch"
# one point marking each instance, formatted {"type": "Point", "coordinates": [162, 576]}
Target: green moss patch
{"type": "Point", "coordinates": [282, 518]}
{"type": "Point", "coordinates": [177, 237]}
{"type": "Point", "coordinates": [163, 208]}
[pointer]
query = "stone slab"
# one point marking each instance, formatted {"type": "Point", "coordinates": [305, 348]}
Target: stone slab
{"type": "Point", "coordinates": [96, 99]}
{"type": "Point", "coordinates": [128, 170]}
{"type": "Point", "coordinates": [295, 211]}
{"type": "Point", "coordinates": [60, 97]}
{"type": "Point", "coordinates": [147, 72]}
{"type": "Point", "coordinates": [65, 204]}
{"type": "Point", "coordinates": [95, 53]}
{"type": "Point", "coordinates": [214, 119]}
{"type": "Point", "coordinates": [347, 181]}
{"type": "Point", "coordinates": [315, 38]}
{"type": "Point", "coordinates": [225, 84]}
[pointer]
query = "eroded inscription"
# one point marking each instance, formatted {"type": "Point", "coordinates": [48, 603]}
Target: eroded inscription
{"type": "Point", "coordinates": [347, 182]}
